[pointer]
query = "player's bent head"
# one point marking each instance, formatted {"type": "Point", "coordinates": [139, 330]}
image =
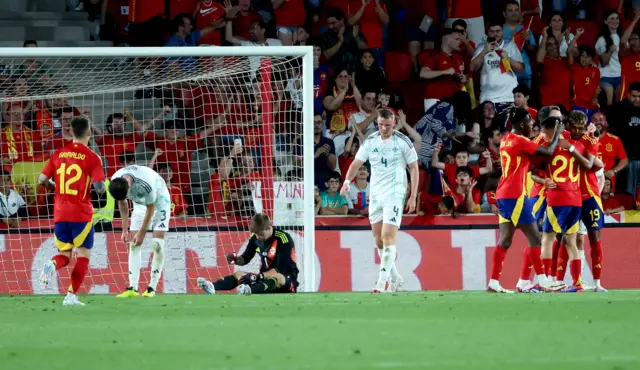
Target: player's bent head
{"type": "Point", "coordinates": [261, 226]}
{"type": "Point", "coordinates": [119, 188]}
{"type": "Point", "coordinates": [549, 116]}
{"type": "Point", "coordinates": [80, 127]}
{"type": "Point", "coordinates": [447, 205]}
{"type": "Point", "coordinates": [521, 121]}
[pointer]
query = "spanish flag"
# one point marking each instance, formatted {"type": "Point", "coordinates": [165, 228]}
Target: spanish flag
{"type": "Point", "coordinates": [505, 65]}
{"type": "Point", "coordinates": [518, 37]}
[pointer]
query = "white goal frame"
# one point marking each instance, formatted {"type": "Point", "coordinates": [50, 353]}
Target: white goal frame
{"type": "Point", "coordinates": [306, 52]}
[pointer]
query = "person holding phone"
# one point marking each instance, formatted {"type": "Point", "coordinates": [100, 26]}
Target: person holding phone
{"type": "Point", "coordinates": [498, 61]}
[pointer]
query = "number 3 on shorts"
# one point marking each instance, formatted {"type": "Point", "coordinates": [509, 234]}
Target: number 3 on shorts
{"type": "Point", "coordinates": [164, 215]}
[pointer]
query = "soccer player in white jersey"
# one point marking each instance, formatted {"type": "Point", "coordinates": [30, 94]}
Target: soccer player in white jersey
{"type": "Point", "coordinates": [151, 212]}
{"type": "Point", "coordinates": [389, 153]}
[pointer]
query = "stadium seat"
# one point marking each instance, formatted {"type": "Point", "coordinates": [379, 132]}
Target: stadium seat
{"type": "Point", "coordinates": [626, 200]}
{"type": "Point", "coordinates": [401, 63]}
{"type": "Point", "coordinates": [591, 31]}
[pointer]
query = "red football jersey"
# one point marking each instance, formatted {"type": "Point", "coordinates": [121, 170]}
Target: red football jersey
{"type": "Point", "coordinates": [444, 86]}
{"type": "Point", "coordinates": [610, 150]}
{"type": "Point", "coordinates": [210, 12]}
{"type": "Point", "coordinates": [73, 168]}
{"type": "Point", "coordinates": [463, 9]}
{"type": "Point", "coordinates": [555, 83]}
{"type": "Point", "coordinates": [451, 168]}
{"type": "Point", "coordinates": [630, 73]}
{"type": "Point", "coordinates": [565, 173]}
{"type": "Point", "coordinates": [459, 200]}
{"type": "Point", "coordinates": [143, 10]}
{"type": "Point", "coordinates": [588, 178]}
{"type": "Point", "coordinates": [178, 204]}
{"type": "Point", "coordinates": [610, 203]}
{"type": "Point", "coordinates": [290, 14]}
{"type": "Point", "coordinates": [538, 162]}
{"type": "Point", "coordinates": [370, 23]}
{"type": "Point", "coordinates": [515, 152]}
{"type": "Point", "coordinates": [112, 146]}
{"type": "Point", "coordinates": [585, 83]}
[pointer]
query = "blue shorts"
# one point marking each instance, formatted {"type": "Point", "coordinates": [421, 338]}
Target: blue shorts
{"type": "Point", "coordinates": [592, 214]}
{"type": "Point", "coordinates": [539, 209]}
{"type": "Point", "coordinates": [516, 211]}
{"type": "Point", "coordinates": [562, 220]}
{"type": "Point", "coordinates": [611, 81]}
{"type": "Point", "coordinates": [69, 235]}
{"type": "Point", "coordinates": [588, 112]}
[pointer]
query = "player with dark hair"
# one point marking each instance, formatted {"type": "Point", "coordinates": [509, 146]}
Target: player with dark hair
{"type": "Point", "coordinates": [514, 206]}
{"type": "Point", "coordinates": [278, 270]}
{"type": "Point", "coordinates": [75, 167]}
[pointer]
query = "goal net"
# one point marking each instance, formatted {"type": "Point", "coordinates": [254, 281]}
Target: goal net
{"type": "Point", "coordinates": [230, 129]}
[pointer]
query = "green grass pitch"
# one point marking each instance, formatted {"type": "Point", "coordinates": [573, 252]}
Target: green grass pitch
{"type": "Point", "coordinates": [427, 330]}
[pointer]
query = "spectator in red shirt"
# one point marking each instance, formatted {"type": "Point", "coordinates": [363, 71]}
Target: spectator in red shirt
{"type": "Point", "coordinates": [630, 57]}
{"type": "Point", "coordinates": [521, 95]}
{"type": "Point", "coordinates": [586, 79]}
{"type": "Point", "coordinates": [492, 137]}
{"type": "Point", "coordinates": [244, 19]}
{"type": "Point", "coordinates": [610, 149]}
{"type": "Point", "coordinates": [19, 89]}
{"type": "Point", "coordinates": [461, 160]}
{"type": "Point", "coordinates": [471, 13]}
{"type": "Point", "coordinates": [464, 191]}
{"type": "Point", "coordinates": [205, 13]}
{"type": "Point", "coordinates": [467, 49]}
{"type": "Point", "coordinates": [289, 15]}
{"type": "Point", "coordinates": [610, 204]}
{"type": "Point", "coordinates": [116, 141]}
{"type": "Point", "coordinates": [444, 70]}
{"type": "Point", "coordinates": [177, 151]}
{"type": "Point", "coordinates": [371, 15]}
{"type": "Point", "coordinates": [18, 142]}
{"type": "Point", "coordinates": [178, 204]}
{"type": "Point", "coordinates": [350, 149]}
{"type": "Point", "coordinates": [64, 137]}
{"type": "Point", "coordinates": [555, 78]}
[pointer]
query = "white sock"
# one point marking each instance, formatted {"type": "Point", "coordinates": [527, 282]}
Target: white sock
{"type": "Point", "coordinates": [394, 270]}
{"type": "Point", "coordinates": [157, 263]}
{"type": "Point", "coordinates": [135, 260]}
{"type": "Point", "coordinates": [522, 283]}
{"type": "Point", "coordinates": [596, 283]}
{"type": "Point", "coordinates": [387, 260]}
{"type": "Point", "coordinates": [583, 258]}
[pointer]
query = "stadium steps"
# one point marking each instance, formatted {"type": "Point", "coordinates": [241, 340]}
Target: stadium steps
{"type": "Point", "coordinates": [61, 33]}
{"type": "Point", "coordinates": [43, 16]}
{"type": "Point", "coordinates": [33, 5]}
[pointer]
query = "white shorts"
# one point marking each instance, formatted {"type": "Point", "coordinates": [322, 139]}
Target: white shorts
{"type": "Point", "coordinates": [582, 230]}
{"type": "Point", "coordinates": [388, 211]}
{"type": "Point", "coordinates": [159, 221]}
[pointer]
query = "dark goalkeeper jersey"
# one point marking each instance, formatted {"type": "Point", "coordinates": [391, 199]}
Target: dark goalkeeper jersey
{"type": "Point", "coordinates": [277, 252]}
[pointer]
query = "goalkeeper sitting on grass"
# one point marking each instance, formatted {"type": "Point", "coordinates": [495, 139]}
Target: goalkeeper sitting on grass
{"type": "Point", "coordinates": [278, 273]}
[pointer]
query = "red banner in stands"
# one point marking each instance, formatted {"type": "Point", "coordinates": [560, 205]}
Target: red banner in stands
{"type": "Point", "coordinates": [345, 260]}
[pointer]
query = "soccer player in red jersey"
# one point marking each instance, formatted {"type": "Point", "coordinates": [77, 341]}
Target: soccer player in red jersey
{"type": "Point", "coordinates": [73, 168]}
{"type": "Point", "coordinates": [564, 201]}
{"type": "Point", "coordinates": [514, 206]}
{"type": "Point", "coordinates": [591, 181]}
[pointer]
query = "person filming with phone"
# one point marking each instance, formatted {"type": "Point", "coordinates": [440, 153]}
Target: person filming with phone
{"type": "Point", "coordinates": [498, 60]}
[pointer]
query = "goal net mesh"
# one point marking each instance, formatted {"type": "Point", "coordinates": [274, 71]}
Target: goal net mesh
{"type": "Point", "coordinates": [225, 132]}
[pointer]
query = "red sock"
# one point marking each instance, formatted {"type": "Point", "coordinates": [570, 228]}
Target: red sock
{"type": "Point", "coordinates": [563, 259]}
{"type": "Point", "coordinates": [547, 266]}
{"type": "Point", "coordinates": [526, 267]}
{"type": "Point", "coordinates": [78, 273]}
{"type": "Point", "coordinates": [554, 259]}
{"type": "Point", "coordinates": [61, 261]}
{"type": "Point", "coordinates": [596, 259]}
{"type": "Point", "coordinates": [499, 254]}
{"type": "Point", "coordinates": [576, 270]}
{"type": "Point", "coordinates": [536, 261]}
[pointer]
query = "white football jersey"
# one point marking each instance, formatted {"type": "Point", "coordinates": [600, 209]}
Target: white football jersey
{"type": "Point", "coordinates": [148, 187]}
{"type": "Point", "coordinates": [389, 159]}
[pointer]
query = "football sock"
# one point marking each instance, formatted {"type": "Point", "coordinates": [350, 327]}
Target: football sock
{"type": "Point", "coordinates": [135, 260]}
{"type": "Point", "coordinates": [547, 266]}
{"type": "Point", "coordinates": [394, 269]}
{"type": "Point", "coordinates": [268, 285]}
{"type": "Point", "coordinates": [554, 259]}
{"type": "Point", "coordinates": [526, 267]}
{"type": "Point", "coordinates": [226, 283]}
{"type": "Point", "coordinates": [78, 273]}
{"type": "Point", "coordinates": [157, 262]}
{"type": "Point", "coordinates": [583, 258]}
{"type": "Point", "coordinates": [576, 271]}
{"type": "Point", "coordinates": [499, 254]}
{"type": "Point", "coordinates": [536, 260]}
{"type": "Point", "coordinates": [596, 260]}
{"type": "Point", "coordinates": [61, 261]}
{"type": "Point", "coordinates": [387, 261]}
{"type": "Point", "coordinates": [563, 259]}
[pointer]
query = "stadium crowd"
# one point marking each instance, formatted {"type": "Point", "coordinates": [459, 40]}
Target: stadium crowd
{"type": "Point", "coordinates": [450, 69]}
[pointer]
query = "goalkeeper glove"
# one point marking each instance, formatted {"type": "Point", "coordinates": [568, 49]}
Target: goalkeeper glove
{"type": "Point", "coordinates": [232, 258]}
{"type": "Point", "coordinates": [250, 279]}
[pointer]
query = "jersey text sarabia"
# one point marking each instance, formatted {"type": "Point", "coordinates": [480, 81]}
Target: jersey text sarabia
{"type": "Point", "coordinates": [148, 187]}
{"type": "Point", "coordinates": [389, 159]}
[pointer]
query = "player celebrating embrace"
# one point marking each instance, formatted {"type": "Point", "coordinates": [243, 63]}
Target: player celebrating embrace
{"type": "Point", "coordinates": [74, 166]}
{"type": "Point", "coordinates": [151, 211]}
{"type": "Point", "coordinates": [389, 153]}
{"type": "Point", "coordinates": [514, 206]}
{"type": "Point", "coordinates": [278, 272]}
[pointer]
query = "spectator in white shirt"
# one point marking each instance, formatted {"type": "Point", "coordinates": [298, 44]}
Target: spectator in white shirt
{"type": "Point", "coordinates": [366, 117]}
{"type": "Point", "coordinates": [358, 195]}
{"type": "Point", "coordinates": [498, 60]}
{"type": "Point", "coordinates": [12, 206]}
{"type": "Point", "coordinates": [608, 46]}
{"type": "Point", "coordinates": [258, 32]}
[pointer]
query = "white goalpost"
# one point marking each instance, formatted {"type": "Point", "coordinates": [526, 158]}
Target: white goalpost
{"type": "Point", "coordinates": [231, 128]}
